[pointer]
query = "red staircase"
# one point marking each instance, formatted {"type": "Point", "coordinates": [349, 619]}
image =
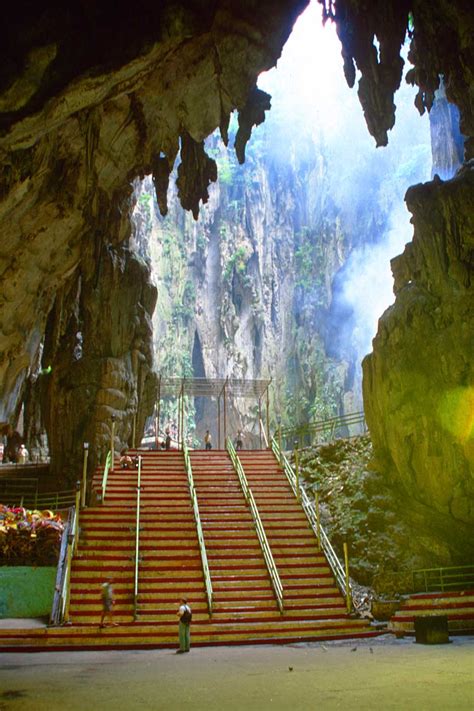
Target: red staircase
{"type": "Point", "coordinates": [170, 561]}
{"type": "Point", "coordinates": [457, 606]}
{"type": "Point", "coordinates": [310, 591]}
{"type": "Point", "coordinates": [240, 580]}
{"type": "Point", "coordinates": [245, 608]}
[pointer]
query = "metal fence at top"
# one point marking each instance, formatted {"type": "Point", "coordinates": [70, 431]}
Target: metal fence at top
{"type": "Point", "coordinates": [313, 433]}
{"type": "Point", "coordinates": [446, 579]}
{"type": "Point", "coordinates": [24, 492]}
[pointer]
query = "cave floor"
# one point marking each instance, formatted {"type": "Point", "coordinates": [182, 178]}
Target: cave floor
{"type": "Point", "coordinates": [382, 673]}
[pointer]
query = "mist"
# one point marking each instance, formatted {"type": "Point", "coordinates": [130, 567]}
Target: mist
{"type": "Point", "coordinates": [313, 106]}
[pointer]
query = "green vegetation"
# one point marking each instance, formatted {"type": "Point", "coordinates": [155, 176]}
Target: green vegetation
{"type": "Point", "coordinates": [358, 507]}
{"type": "Point", "coordinates": [225, 169]}
{"type": "Point", "coordinates": [237, 262]}
{"type": "Point", "coordinates": [310, 264]}
{"type": "Point", "coordinates": [144, 209]}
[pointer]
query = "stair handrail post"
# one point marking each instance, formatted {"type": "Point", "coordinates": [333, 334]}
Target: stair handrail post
{"type": "Point", "coordinates": [259, 528]}
{"type": "Point", "coordinates": [297, 471]}
{"type": "Point", "coordinates": [264, 434]}
{"type": "Point", "coordinates": [67, 580]}
{"type": "Point", "coordinates": [334, 562]}
{"type": "Point", "coordinates": [197, 518]}
{"type": "Point", "coordinates": [76, 522]}
{"type": "Point", "coordinates": [268, 414]}
{"type": "Point", "coordinates": [316, 509]}
{"type": "Point", "coordinates": [279, 438]}
{"type": "Point", "coordinates": [137, 539]}
{"type": "Point", "coordinates": [348, 587]}
{"type": "Point", "coordinates": [105, 475]}
{"type": "Point", "coordinates": [84, 474]}
{"type": "Point", "coordinates": [112, 442]}
{"type": "Point", "coordinates": [57, 611]}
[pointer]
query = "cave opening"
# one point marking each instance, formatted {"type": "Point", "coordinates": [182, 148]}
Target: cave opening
{"type": "Point", "coordinates": [290, 265]}
{"type": "Point", "coordinates": [289, 261]}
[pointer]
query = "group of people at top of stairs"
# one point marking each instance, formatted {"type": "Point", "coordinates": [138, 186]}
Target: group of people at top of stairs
{"type": "Point", "coordinates": [239, 440]}
{"type": "Point", "coordinates": [126, 461]}
{"type": "Point", "coordinates": [170, 441]}
{"type": "Point", "coordinates": [184, 614]}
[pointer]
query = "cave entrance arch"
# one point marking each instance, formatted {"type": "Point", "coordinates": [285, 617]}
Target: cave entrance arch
{"type": "Point", "coordinates": [223, 391]}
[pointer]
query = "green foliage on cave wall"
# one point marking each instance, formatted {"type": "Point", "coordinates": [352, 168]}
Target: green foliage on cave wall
{"type": "Point", "coordinates": [254, 281]}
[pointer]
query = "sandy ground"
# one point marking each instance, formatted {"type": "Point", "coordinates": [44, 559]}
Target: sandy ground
{"type": "Point", "coordinates": [381, 673]}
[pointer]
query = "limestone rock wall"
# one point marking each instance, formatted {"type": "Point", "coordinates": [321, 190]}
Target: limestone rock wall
{"type": "Point", "coordinates": [419, 380]}
{"type": "Point", "coordinates": [246, 291]}
{"type": "Point", "coordinates": [79, 120]}
{"type": "Point", "coordinates": [98, 344]}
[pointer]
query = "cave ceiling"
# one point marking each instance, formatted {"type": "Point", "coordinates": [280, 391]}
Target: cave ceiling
{"type": "Point", "coordinates": [93, 95]}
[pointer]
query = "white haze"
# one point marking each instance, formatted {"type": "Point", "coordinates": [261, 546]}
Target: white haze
{"type": "Point", "coordinates": [310, 97]}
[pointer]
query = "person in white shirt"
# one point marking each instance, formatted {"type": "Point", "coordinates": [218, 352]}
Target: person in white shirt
{"type": "Point", "coordinates": [23, 454]}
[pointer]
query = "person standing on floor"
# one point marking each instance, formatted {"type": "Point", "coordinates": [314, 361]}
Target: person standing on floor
{"type": "Point", "coordinates": [208, 440]}
{"type": "Point", "coordinates": [184, 626]}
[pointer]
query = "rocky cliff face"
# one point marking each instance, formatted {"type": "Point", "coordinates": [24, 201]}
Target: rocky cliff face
{"type": "Point", "coordinates": [78, 124]}
{"type": "Point", "coordinates": [235, 291]}
{"type": "Point", "coordinates": [418, 383]}
{"type": "Point", "coordinates": [446, 139]}
{"type": "Point", "coordinates": [253, 289]}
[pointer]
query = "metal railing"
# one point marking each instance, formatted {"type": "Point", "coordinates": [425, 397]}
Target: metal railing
{"type": "Point", "coordinates": [108, 466]}
{"type": "Point", "coordinates": [60, 608]}
{"type": "Point", "coordinates": [262, 536]}
{"type": "Point", "coordinates": [24, 492]}
{"type": "Point", "coordinates": [197, 518]}
{"type": "Point", "coordinates": [14, 489]}
{"type": "Point", "coordinates": [309, 433]}
{"type": "Point", "coordinates": [459, 577]}
{"type": "Point", "coordinates": [137, 540]}
{"type": "Point", "coordinates": [54, 500]}
{"type": "Point", "coordinates": [262, 430]}
{"type": "Point", "coordinates": [334, 562]}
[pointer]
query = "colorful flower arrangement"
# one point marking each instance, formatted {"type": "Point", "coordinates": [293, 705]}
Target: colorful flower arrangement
{"type": "Point", "coordinates": [29, 537]}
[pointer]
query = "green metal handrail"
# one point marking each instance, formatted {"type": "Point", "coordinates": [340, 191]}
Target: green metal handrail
{"type": "Point", "coordinates": [446, 578]}
{"type": "Point", "coordinates": [334, 562]}
{"type": "Point", "coordinates": [200, 535]}
{"type": "Point", "coordinates": [51, 500]}
{"type": "Point", "coordinates": [137, 539]}
{"type": "Point", "coordinates": [330, 425]}
{"type": "Point", "coordinates": [70, 535]}
{"type": "Point", "coordinates": [61, 592]}
{"type": "Point", "coordinates": [262, 536]}
{"type": "Point", "coordinates": [26, 494]}
{"type": "Point", "coordinates": [108, 466]}
{"type": "Point", "coordinates": [262, 430]}
{"type": "Point", "coordinates": [18, 486]}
